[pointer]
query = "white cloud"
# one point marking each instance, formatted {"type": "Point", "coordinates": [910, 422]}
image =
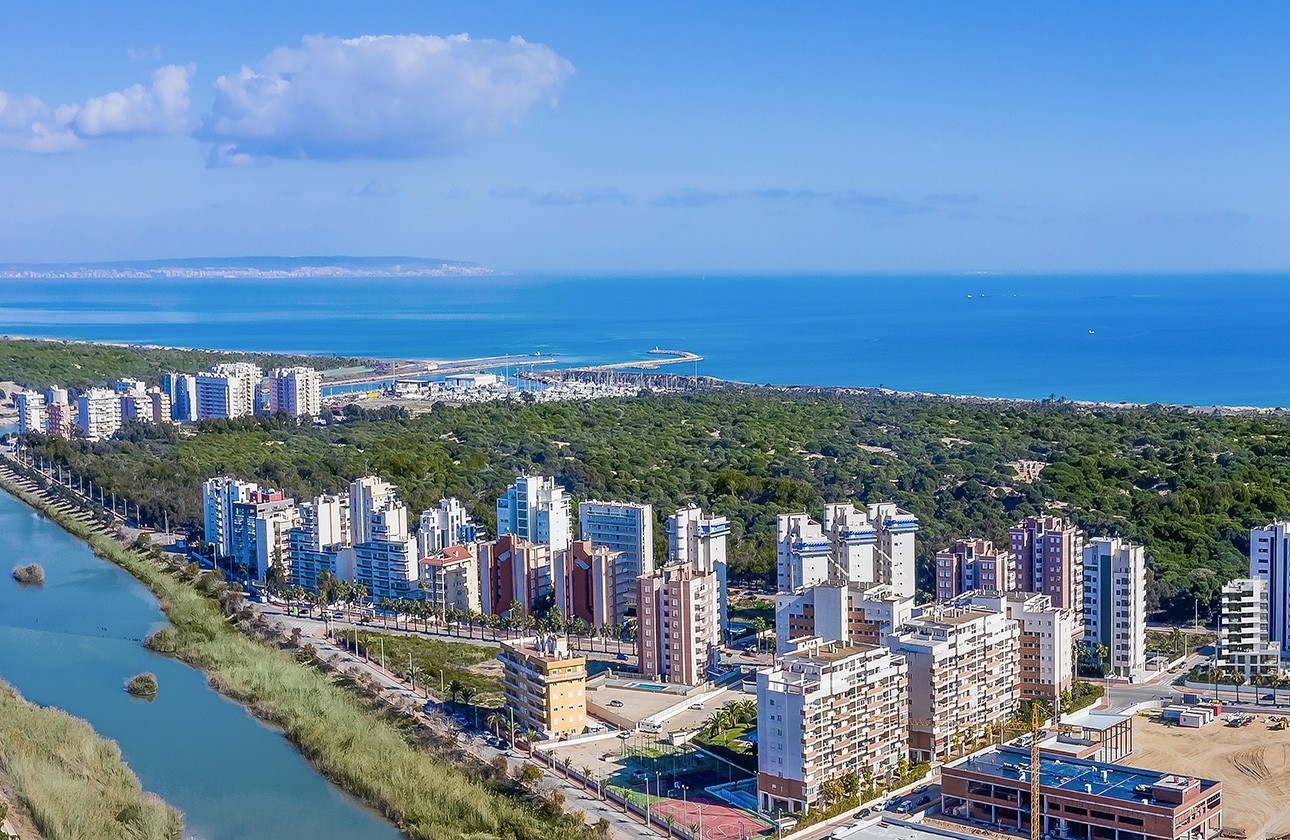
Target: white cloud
{"type": "Point", "coordinates": [378, 96]}
{"type": "Point", "coordinates": [28, 124]}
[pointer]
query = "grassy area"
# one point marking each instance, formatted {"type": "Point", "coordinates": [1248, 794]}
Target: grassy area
{"type": "Point", "coordinates": [728, 746]}
{"type": "Point", "coordinates": [751, 609]}
{"type": "Point", "coordinates": [363, 752]}
{"type": "Point", "coordinates": [40, 363]}
{"type": "Point", "coordinates": [71, 782]}
{"type": "Point", "coordinates": [431, 655]}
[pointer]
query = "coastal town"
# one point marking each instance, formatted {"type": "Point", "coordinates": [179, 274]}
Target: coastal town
{"type": "Point", "coordinates": [849, 702]}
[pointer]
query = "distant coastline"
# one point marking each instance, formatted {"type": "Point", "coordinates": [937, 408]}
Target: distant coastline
{"type": "Point", "coordinates": [258, 268]}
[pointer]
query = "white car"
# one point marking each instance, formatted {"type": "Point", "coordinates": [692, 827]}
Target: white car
{"type": "Point", "coordinates": [698, 707]}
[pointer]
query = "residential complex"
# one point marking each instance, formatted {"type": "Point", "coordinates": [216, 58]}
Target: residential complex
{"type": "Point", "coordinates": [228, 390]}
{"type": "Point", "coordinates": [536, 510]}
{"type": "Point", "coordinates": [873, 545]}
{"type": "Point", "coordinates": [1080, 800]}
{"type": "Point", "coordinates": [854, 613]}
{"type": "Point", "coordinates": [385, 551]}
{"type": "Point", "coordinates": [699, 540]}
{"type": "Point", "coordinates": [545, 686]}
{"type": "Point", "coordinates": [1046, 649]}
{"type": "Point", "coordinates": [320, 542]}
{"type": "Point", "coordinates": [585, 576]}
{"type": "Point", "coordinates": [296, 391]}
{"type": "Point", "coordinates": [964, 675]}
{"type": "Point", "coordinates": [1244, 640]}
{"type": "Point", "coordinates": [677, 630]}
{"type": "Point", "coordinates": [450, 579]}
{"type": "Point", "coordinates": [98, 413]}
{"type": "Point", "coordinates": [828, 710]}
{"type": "Point", "coordinates": [627, 530]}
{"type": "Point", "coordinates": [445, 525]}
{"type": "Point", "coordinates": [1048, 551]}
{"type": "Point", "coordinates": [218, 497]}
{"type": "Point", "coordinates": [971, 565]}
{"type": "Point", "coordinates": [1115, 603]}
{"type": "Point", "coordinates": [514, 571]}
{"type": "Point", "coordinates": [260, 539]}
{"type": "Point", "coordinates": [32, 415]}
{"type": "Point", "coordinates": [1270, 563]}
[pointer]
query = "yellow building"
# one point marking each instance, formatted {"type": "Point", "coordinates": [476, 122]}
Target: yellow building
{"type": "Point", "coordinates": [545, 686]}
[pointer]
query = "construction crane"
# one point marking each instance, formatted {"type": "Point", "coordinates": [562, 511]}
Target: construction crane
{"type": "Point", "coordinates": [1034, 726]}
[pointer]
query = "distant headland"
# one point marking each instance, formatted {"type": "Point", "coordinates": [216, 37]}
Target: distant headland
{"type": "Point", "coordinates": [247, 267]}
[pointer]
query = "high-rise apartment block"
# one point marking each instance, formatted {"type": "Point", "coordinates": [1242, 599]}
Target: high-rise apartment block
{"type": "Point", "coordinates": [964, 675]}
{"type": "Point", "coordinates": [972, 565]}
{"type": "Point", "coordinates": [1244, 640]}
{"type": "Point", "coordinates": [1048, 551]}
{"type": "Point", "coordinates": [677, 626]}
{"type": "Point", "coordinates": [545, 686]}
{"type": "Point", "coordinates": [1046, 646]}
{"type": "Point", "coordinates": [443, 526]}
{"type": "Point", "coordinates": [182, 390]}
{"type": "Point", "coordinates": [296, 391]}
{"type": "Point", "coordinates": [320, 542]}
{"type": "Point", "coordinates": [870, 545]}
{"type": "Point", "coordinates": [98, 413]}
{"type": "Point", "coordinates": [536, 510]}
{"type": "Point", "coordinates": [1270, 563]}
{"type": "Point", "coordinates": [585, 576]}
{"type": "Point", "coordinates": [828, 710]}
{"type": "Point", "coordinates": [627, 530]}
{"type": "Point", "coordinates": [61, 418]}
{"type": "Point", "coordinates": [261, 533]}
{"type": "Point", "coordinates": [385, 552]}
{"type": "Point", "coordinates": [853, 613]}
{"type": "Point", "coordinates": [228, 390]}
{"type": "Point", "coordinates": [219, 494]}
{"type": "Point", "coordinates": [699, 540]}
{"type": "Point", "coordinates": [32, 416]}
{"type": "Point", "coordinates": [450, 578]}
{"type": "Point", "coordinates": [513, 570]}
{"type": "Point", "coordinates": [1115, 603]}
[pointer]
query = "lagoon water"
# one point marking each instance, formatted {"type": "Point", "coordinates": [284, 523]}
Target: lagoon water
{"type": "Point", "coordinates": [75, 641]}
{"type": "Point", "coordinates": [1197, 339]}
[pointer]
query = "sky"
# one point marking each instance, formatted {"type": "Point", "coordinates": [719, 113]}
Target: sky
{"type": "Point", "coordinates": [638, 137]}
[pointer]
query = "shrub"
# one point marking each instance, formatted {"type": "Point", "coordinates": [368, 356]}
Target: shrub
{"type": "Point", "coordinates": [142, 685]}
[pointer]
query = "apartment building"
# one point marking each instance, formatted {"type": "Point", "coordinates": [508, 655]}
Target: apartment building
{"type": "Point", "coordinates": [853, 613]}
{"type": "Point", "coordinates": [219, 494]}
{"type": "Point", "coordinates": [228, 390]}
{"type": "Point", "coordinates": [828, 710]}
{"type": "Point", "coordinates": [1270, 563]}
{"type": "Point", "coordinates": [586, 577]}
{"type": "Point", "coordinates": [1244, 641]}
{"type": "Point", "coordinates": [699, 539]}
{"type": "Point", "coordinates": [677, 630]}
{"type": "Point", "coordinates": [545, 686]}
{"type": "Point", "coordinates": [445, 525]}
{"type": "Point", "coordinates": [159, 408]}
{"type": "Point", "coordinates": [98, 414]}
{"type": "Point", "coordinates": [536, 510]}
{"type": "Point", "coordinates": [182, 390]}
{"type": "Point", "coordinates": [385, 552]}
{"type": "Point", "coordinates": [32, 415]}
{"type": "Point", "coordinates": [61, 419]}
{"type": "Point", "coordinates": [514, 570]}
{"type": "Point", "coordinates": [627, 530]}
{"type": "Point", "coordinates": [296, 391]}
{"type": "Point", "coordinates": [1048, 552]}
{"type": "Point", "coordinates": [1115, 603]}
{"type": "Point", "coordinates": [1046, 646]}
{"type": "Point", "coordinates": [367, 496]}
{"type": "Point", "coordinates": [450, 578]}
{"type": "Point", "coordinates": [873, 545]}
{"type": "Point", "coordinates": [260, 538]}
{"type": "Point", "coordinates": [973, 565]}
{"type": "Point", "coordinates": [964, 675]}
{"type": "Point", "coordinates": [320, 542]}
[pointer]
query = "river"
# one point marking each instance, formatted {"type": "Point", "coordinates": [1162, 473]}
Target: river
{"type": "Point", "coordinates": [75, 641]}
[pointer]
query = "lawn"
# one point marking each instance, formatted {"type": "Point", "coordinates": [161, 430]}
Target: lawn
{"type": "Point", "coordinates": [728, 746]}
{"type": "Point", "coordinates": [431, 655]}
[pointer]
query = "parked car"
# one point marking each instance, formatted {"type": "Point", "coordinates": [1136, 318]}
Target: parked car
{"type": "Point", "coordinates": [616, 703]}
{"type": "Point", "coordinates": [905, 807]}
{"type": "Point", "coordinates": [622, 657]}
{"type": "Point", "coordinates": [697, 706]}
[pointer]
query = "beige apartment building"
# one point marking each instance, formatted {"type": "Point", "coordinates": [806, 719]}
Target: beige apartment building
{"type": "Point", "coordinates": [828, 710]}
{"type": "Point", "coordinates": [856, 613]}
{"type": "Point", "coordinates": [545, 686]}
{"type": "Point", "coordinates": [1046, 646]}
{"type": "Point", "coordinates": [964, 675]}
{"type": "Point", "coordinates": [678, 632]}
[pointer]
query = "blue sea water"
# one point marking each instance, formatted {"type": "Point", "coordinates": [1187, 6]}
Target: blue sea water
{"type": "Point", "coordinates": [1203, 340]}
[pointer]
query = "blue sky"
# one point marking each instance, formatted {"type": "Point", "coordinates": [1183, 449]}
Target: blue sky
{"type": "Point", "coordinates": [616, 137]}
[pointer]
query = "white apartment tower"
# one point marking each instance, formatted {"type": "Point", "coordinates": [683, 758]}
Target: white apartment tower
{"type": "Point", "coordinates": [854, 613]}
{"type": "Point", "coordinates": [964, 675]}
{"type": "Point", "coordinates": [228, 390]}
{"type": "Point", "coordinates": [1270, 563]}
{"type": "Point", "coordinates": [32, 416]}
{"type": "Point", "coordinates": [677, 633]}
{"type": "Point", "coordinates": [295, 390]}
{"type": "Point", "coordinates": [536, 510]}
{"type": "Point", "coordinates": [627, 530]}
{"type": "Point", "coordinates": [1115, 602]}
{"type": "Point", "coordinates": [385, 553]}
{"type": "Point", "coordinates": [1243, 637]}
{"type": "Point", "coordinates": [1047, 641]}
{"type": "Point", "coordinates": [98, 413]}
{"type": "Point", "coordinates": [699, 540]}
{"type": "Point", "coordinates": [825, 711]}
{"type": "Point", "coordinates": [318, 542]}
{"type": "Point", "coordinates": [219, 494]}
{"type": "Point", "coordinates": [443, 526]}
{"type": "Point", "coordinates": [873, 545]}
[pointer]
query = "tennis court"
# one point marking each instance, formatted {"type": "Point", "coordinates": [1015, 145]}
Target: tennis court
{"type": "Point", "coordinates": [709, 819]}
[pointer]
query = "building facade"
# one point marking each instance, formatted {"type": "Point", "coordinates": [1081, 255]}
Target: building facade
{"type": "Point", "coordinates": [1046, 646]}
{"type": "Point", "coordinates": [1115, 603]}
{"type": "Point", "coordinates": [385, 552]}
{"type": "Point", "coordinates": [873, 545]}
{"type": "Point", "coordinates": [319, 541]}
{"type": "Point", "coordinates": [260, 538]}
{"type": "Point", "coordinates": [445, 525]}
{"type": "Point", "coordinates": [850, 613]}
{"type": "Point", "coordinates": [98, 414]}
{"type": "Point", "coordinates": [1244, 640]}
{"type": "Point", "coordinates": [964, 675]}
{"type": "Point", "coordinates": [536, 510]}
{"type": "Point", "coordinates": [32, 415]}
{"type": "Point", "coordinates": [450, 579]}
{"type": "Point", "coordinates": [515, 571]}
{"type": "Point", "coordinates": [828, 710]}
{"type": "Point", "coordinates": [677, 624]}
{"type": "Point", "coordinates": [228, 390]}
{"type": "Point", "coordinates": [545, 686]}
{"type": "Point", "coordinates": [586, 578]}
{"type": "Point", "coordinates": [219, 494]}
{"type": "Point", "coordinates": [1270, 563]}
{"type": "Point", "coordinates": [627, 530]}
{"type": "Point", "coordinates": [699, 540]}
{"type": "Point", "coordinates": [1048, 551]}
{"type": "Point", "coordinates": [296, 391]}
{"type": "Point", "coordinates": [972, 565]}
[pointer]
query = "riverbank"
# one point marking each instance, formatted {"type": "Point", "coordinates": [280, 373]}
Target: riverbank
{"type": "Point", "coordinates": [365, 751]}
{"type": "Point", "coordinates": [65, 781]}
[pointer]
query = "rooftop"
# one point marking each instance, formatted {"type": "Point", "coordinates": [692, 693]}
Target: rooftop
{"type": "Point", "coordinates": [1088, 778]}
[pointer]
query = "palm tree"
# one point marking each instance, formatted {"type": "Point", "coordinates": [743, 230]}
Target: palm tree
{"type": "Point", "coordinates": [495, 722]}
{"type": "Point", "coordinates": [565, 762]}
{"type": "Point", "coordinates": [455, 688]}
{"type": "Point", "coordinates": [759, 627]}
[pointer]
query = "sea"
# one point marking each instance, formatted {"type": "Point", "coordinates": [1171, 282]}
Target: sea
{"type": "Point", "coordinates": [1188, 339]}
